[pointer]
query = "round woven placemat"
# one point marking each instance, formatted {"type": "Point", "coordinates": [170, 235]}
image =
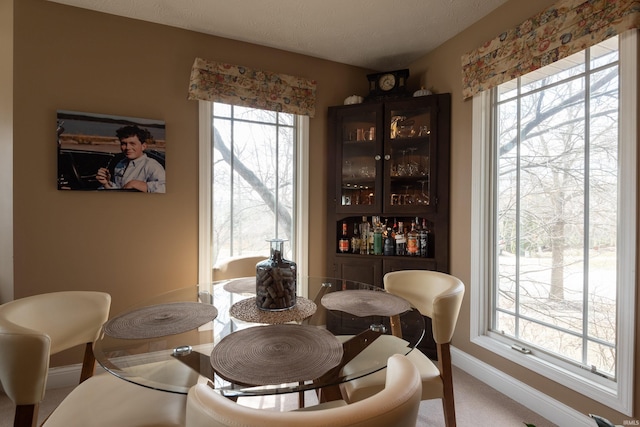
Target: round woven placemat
{"type": "Point", "coordinates": [364, 303]}
{"type": "Point", "coordinates": [276, 354]}
{"type": "Point", "coordinates": [246, 285]}
{"type": "Point", "coordinates": [160, 320]}
{"type": "Point", "coordinates": [248, 311]}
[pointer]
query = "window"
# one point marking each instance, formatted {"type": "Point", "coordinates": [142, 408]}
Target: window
{"type": "Point", "coordinates": [252, 183]}
{"type": "Point", "coordinates": [554, 222]}
{"type": "Point", "coordinates": [253, 180]}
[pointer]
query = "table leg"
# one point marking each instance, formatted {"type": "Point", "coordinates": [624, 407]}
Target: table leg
{"type": "Point", "coordinates": [301, 399]}
{"type": "Point", "coordinates": [396, 326]}
{"type": "Point", "coordinates": [352, 348]}
{"type": "Point", "coordinates": [198, 362]}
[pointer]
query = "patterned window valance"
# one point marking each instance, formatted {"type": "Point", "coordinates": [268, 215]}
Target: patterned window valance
{"type": "Point", "coordinates": [563, 29]}
{"type": "Point", "coordinates": [237, 85]}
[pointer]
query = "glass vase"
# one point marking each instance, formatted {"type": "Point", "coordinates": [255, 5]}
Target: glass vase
{"type": "Point", "coordinates": [276, 280]}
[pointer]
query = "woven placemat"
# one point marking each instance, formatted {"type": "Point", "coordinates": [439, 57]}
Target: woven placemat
{"type": "Point", "coordinates": [276, 354]}
{"type": "Point", "coordinates": [160, 320]}
{"type": "Point", "coordinates": [246, 285]}
{"type": "Point", "coordinates": [248, 311]}
{"type": "Point", "coordinates": [364, 303]}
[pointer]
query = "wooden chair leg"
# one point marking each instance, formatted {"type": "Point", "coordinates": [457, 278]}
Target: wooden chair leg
{"type": "Point", "coordinates": [446, 372]}
{"type": "Point", "coordinates": [26, 416]}
{"type": "Point", "coordinates": [88, 363]}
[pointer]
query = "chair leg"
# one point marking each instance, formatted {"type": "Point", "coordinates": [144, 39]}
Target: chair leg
{"type": "Point", "coordinates": [446, 372]}
{"type": "Point", "coordinates": [26, 416]}
{"type": "Point", "coordinates": [88, 363]}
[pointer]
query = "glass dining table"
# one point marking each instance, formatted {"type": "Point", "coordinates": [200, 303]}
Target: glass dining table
{"type": "Point", "coordinates": [214, 333]}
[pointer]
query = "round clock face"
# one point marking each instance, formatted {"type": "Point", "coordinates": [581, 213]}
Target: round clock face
{"type": "Point", "coordinates": [387, 82]}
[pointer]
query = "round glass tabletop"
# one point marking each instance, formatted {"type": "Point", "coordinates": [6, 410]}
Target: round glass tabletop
{"type": "Point", "coordinates": [170, 342]}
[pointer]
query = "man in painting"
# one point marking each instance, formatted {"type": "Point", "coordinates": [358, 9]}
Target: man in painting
{"type": "Point", "coordinates": [137, 170]}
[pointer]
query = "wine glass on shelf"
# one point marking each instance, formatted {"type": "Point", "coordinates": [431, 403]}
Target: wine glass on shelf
{"type": "Point", "coordinates": [424, 131]}
{"type": "Point", "coordinates": [349, 165]}
{"type": "Point", "coordinates": [412, 166]}
{"type": "Point", "coordinates": [407, 198]}
{"type": "Point", "coordinates": [424, 167]}
{"type": "Point", "coordinates": [423, 199]}
{"type": "Point", "coordinates": [402, 167]}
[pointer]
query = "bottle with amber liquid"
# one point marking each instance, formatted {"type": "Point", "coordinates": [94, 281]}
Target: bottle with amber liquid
{"type": "Point", "coordinates": [343, 243]}
{"type": "Point", "coordinates": [355, 240]}
{"type": "Point", "coordinates": [413, 248]}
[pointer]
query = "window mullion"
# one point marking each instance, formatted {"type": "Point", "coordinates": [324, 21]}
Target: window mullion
{"type": "Point", "coordinates": [493, 241]}
{"type": "Point", "coordinates": [232, 181]}
{"type": "Point", "coordinates": [518, 208]}
{"type": "Point", "coordinates": [587, 209]}
{"type": "Point", "coordinates": [277, 176]}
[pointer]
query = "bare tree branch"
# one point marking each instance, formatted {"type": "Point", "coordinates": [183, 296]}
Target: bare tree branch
{"type": "Point", "coordinates": [266, 194]}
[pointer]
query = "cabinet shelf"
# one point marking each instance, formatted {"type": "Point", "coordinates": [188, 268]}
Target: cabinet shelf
{"type": "Point", "coordinates": [365, 142]}
{"type": "Point", "coordinates": [409, 139]}
{"type": "Point", "coordinates": [353, 181]}
{"type": "Point", "coordinates": [416, 259]}
{"type": "Point", "coordinates": [408, 179]}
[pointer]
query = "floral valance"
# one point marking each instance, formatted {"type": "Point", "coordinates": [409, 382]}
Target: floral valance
{"type": "Point", "coordinates": [565, 28]}
{"type": "Point", "coordinates": [238, 85]}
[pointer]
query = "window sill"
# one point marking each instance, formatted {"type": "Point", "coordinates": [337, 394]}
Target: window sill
{"type": "Point", "coordinates": [607, 395]}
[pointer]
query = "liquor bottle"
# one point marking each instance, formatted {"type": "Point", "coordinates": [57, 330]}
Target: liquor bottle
{"type": "Point", "coordinates": [364, 236]}
{"type": "Point", "coordinates": [377, 236]}
{"type": "Point", "coordinates": [412, 241]}
{"type": "Point", "coordinates": [389, 247]}
{"type": "Point", "coordinates": [343, 243]}
{"type": "Point", "coordinates": [355, 240]}
{"type": "Point", "coordinates": [419, 231]}
{"type": "Point", "coordinates": [370, 237]}
{"type": "Point", "coordinates": [401, 243]}
{"type": "Point", "coordinates": [424, 239]}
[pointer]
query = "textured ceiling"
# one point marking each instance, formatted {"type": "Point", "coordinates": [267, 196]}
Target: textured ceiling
{"type": "Point", "coordinates": [374, 34]}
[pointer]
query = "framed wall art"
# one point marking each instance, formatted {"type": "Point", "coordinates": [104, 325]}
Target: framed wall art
{"type": "Point", "coordinates": [98, 152]}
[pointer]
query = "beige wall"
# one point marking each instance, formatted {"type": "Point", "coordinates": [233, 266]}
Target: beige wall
{"type": "Point", "coordinates": [130, 245]}
{"type": "Point", "coordinates": [6, 149]}
{"type": "Point", "coordinates": [442, 69]}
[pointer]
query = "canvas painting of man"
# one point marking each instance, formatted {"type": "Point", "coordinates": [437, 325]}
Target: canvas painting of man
{"type": "Point", "coordinates": [110, 153]}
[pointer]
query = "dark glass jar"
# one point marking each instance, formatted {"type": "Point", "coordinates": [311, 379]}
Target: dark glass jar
{"type": "Point", "coordinates": [276, 280]}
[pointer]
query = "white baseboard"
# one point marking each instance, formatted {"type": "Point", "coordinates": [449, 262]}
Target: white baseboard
{"type": "Point", "coordinates": [67, 376]}
{"type": "Point", "coordinates": [556, 412]}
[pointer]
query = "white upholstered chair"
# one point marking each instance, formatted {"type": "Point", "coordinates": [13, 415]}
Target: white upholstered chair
{"type": "Point", "coordinates": [396, 405]}
{"type": "Point", "coordinates": [107, 401]}
{"type": "Point", "coordinates": [34, 328]}
{"type": "Point", "coordinates": [241, 266]}
{"type": "Point", "coordinates": [435, 295]}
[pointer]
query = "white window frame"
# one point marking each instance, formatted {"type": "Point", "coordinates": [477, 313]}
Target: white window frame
{"type": "Point", "coordinates": [617, 395]}
{"type": "Point", "coordinates": [205, 116]}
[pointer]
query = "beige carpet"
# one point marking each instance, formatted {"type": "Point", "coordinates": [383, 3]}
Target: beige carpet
{"type": "Point", "coordinates": [477, 405]}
